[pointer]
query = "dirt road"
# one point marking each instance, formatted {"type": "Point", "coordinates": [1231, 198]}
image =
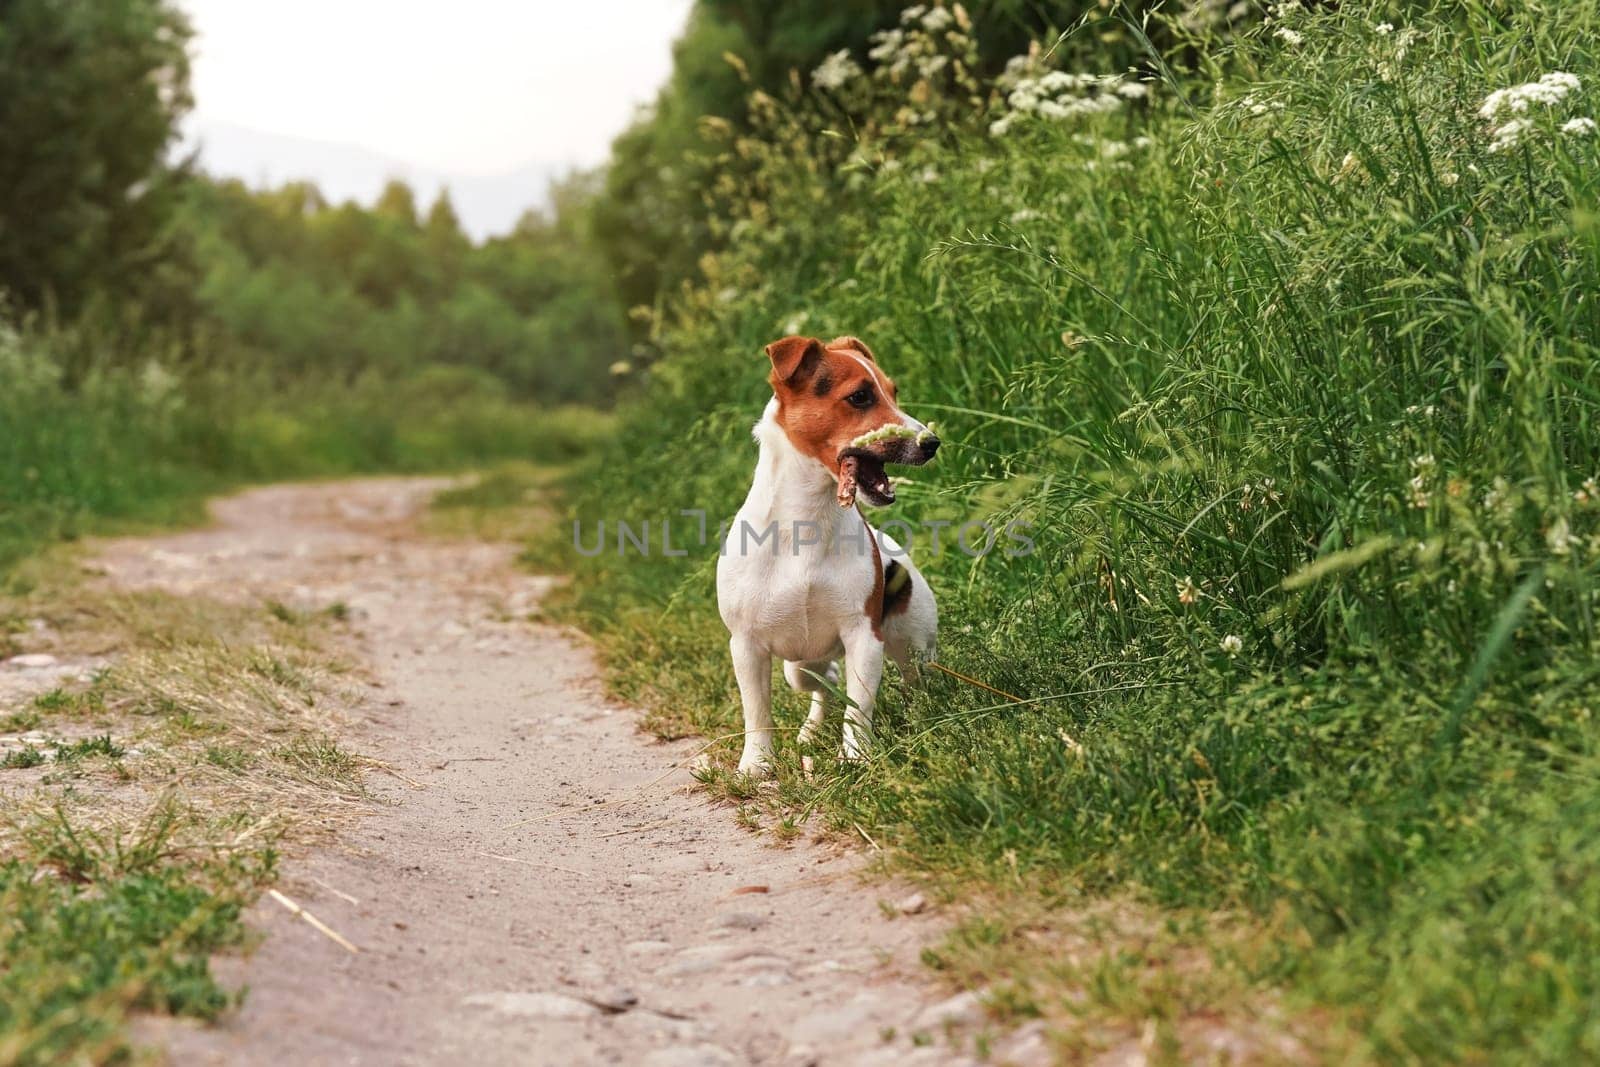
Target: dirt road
{"type": "Point", "coordinates": [547, 889]}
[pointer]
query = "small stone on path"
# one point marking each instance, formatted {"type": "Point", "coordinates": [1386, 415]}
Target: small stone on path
{"type": "Point", "coordinates": [533, 1005]}
{"type": "Point", "coordinates": [914, 904]}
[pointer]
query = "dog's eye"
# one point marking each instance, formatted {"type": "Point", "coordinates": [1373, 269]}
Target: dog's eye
{"type": "Point", "coordinates": [861, 398]}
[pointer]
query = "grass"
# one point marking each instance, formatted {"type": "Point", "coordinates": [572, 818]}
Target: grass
{"type": "Point", "coordinates": [129, 450]}
{"type": "Point", "coordinates": [509, 501]}
{"type": "Point", "coordinates": [134, 836]}
{"type": "Point", "coordinates": [1299, 396]}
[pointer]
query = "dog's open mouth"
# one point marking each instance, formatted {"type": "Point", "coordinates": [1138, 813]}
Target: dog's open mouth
{"type": "Point", "coordinates": [862, 471]}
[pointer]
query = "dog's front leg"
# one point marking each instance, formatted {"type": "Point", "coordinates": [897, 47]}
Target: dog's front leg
{"type": "Point", "coordinates": [863, 664]}
{"type": "Point", "coordinates": [752, 665]}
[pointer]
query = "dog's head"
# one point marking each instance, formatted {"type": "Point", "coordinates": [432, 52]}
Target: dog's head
{"type": "Point", "coordinates": [834, 402]}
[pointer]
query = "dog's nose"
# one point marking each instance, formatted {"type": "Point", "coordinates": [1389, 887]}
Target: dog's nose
{"type": "Point", "coordinates": [930, 445]}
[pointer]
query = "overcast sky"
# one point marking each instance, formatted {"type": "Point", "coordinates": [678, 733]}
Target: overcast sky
{"type": "Point", "coordinates": [472, 89]}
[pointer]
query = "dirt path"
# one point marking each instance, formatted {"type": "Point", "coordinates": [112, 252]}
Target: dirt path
{"type": "Point", "coordinates": [549, 891]}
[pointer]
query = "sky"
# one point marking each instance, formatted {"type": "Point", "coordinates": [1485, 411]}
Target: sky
{"type": "Point", "coordinates": [490, 96]}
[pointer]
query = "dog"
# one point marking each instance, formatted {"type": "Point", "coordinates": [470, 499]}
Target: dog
{"type": "Point", "coordinates": [802, 576]}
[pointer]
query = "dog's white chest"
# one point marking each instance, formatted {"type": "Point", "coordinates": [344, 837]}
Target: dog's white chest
{"type": "Point", "coordinates": [795, 598]}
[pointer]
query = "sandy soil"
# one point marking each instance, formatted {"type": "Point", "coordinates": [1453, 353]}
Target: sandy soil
{"type": "Point", "coordinates": [547, 888]}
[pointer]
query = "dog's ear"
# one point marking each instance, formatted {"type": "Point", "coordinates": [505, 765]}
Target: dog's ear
{"type": "Point", "coordinates": [855, 343]}
{"type": "Point", "coordinates": [793, 358]}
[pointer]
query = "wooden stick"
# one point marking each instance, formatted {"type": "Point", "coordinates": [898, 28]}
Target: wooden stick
{"type": "Point", "coordinates": [335, 892]}
{"type": "Point", "coordinates": [317, 924]}
{"type": "Point", "coordinates": [936, 665]}
{"type": "Point", "coordinates": [642, 826]}
{"type": "Point", "coordinates": [531, 863]}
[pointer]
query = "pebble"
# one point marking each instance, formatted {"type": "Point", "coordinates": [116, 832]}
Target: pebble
{"type": "Point", "coordinates": [32, 660]}
{"type": "Point", "coordinates": [831, 1027]}
{"type": "Point", "coordinates": [533, 1005]}
{"type": "Point", "coordinates": [690, 1056]}
{"type": "Point", "coordinates": [646, 948]}
{"type": "Point", "coordinates": [766, 979]}
{"type": "Point", "coordinates": [615, 1000]}
{"type": "Point", "coordinates": [913, 904]}
{"type": "Point", "coordinates": [963, 1009]}
{"type": "Point", "coordinates": [1028, 1046]}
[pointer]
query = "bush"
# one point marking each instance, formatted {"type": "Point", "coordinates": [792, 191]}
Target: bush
{"type": "Point", "coordinates": [1292, 370]}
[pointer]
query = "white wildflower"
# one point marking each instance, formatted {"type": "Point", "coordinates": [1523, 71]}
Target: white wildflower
{"type": "Point", "coordinates": [1423, 462]}
{"type": "Point", "coordinates": [1589, 491]}
{"type": "Point", "coordinates": [1419, 492]}
{"type": "Point", "coordinates": [1260, 107]}
{"type": "Point", "coordinates": [1188, 592]}
{"type": "Point", "coordinates": [836, 71]}
{"type": "Point", "coordinates": [913, 13]}
{"type": "Point", "coordinates": [933, 64]}
{"type": "Point", "coordinates": [937, 19]}
{"type": "Point", "coordinates": [1509, 135]}
{"type": "Point", "coordinates": [1133, 90]}
{"type": "Point", "coordinates": [1559, 537]}
{"type": "Point", "coordinates": [1022, 215]}
{"type": "Point", "coordinates": [1233, 644]}
{"type": "Point", "coordinates": [928, 176]}
{"type": "Point", "coordinates": [1548, 91]}
{"type": "Point", "coordinates": [887, 45]}
{"type": "Point", "coordinates": [1449, 178]}
{"type": "Point", "coordinates": [1384, 27]}
{"type": "Point", "coordinates": [1582, 127]}
{"type": "Point", "coordinates": [1288, 36]}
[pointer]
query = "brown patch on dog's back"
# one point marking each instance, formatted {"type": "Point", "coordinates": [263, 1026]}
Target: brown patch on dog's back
{"type": "Point", "coordinates": [896, 589]}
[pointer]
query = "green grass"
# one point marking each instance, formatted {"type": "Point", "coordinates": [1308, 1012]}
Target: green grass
{"type": "Point", "coordinates": [1300, 398]}
{"type": "Point", "coordinates": [129, 851]}
{"type": "Point", "coordinates": [99, 924]}
{"type": "Point", "coordinates": [133, 449]}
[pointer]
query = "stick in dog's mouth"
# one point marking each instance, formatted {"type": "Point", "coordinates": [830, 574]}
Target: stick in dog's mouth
{"type": "Point", "coordinates": [861, 470]}
{"type": "Point", "coordinates": [861, 466]}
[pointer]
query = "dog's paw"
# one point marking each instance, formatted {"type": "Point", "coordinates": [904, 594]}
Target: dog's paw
{"type": "Point", "coordinates": [756, 764]}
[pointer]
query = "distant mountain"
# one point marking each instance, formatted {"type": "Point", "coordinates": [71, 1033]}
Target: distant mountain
{"type": "Point", "coordinates": [487, 204]}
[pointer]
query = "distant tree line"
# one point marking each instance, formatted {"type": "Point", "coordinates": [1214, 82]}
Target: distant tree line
{"type": "Point", "coordinates": [106, 235]}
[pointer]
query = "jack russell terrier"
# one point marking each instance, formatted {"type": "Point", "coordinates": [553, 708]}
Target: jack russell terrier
{"type": "Point", "coordinates": [802, 576]}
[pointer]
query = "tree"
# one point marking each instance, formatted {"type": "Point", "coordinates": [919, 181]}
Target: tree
{"type": "Point", "coordinates": [91, 92]}
{"type": "Point", "coordinates": [398, 202]}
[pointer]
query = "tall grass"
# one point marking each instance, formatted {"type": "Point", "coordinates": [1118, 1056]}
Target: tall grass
{"type": "Point", "coordinates": [1296, 380]}
{"type": "Point", "coordinates": [148, 446]}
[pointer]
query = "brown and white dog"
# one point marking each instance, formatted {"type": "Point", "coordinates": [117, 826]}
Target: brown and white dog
{"type": "Point", "coordinates": [802, 576]}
